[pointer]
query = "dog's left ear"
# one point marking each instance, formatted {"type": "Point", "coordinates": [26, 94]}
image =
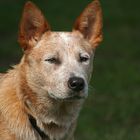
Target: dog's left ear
{"type": "Point", "coordinates": [89, 23]}
{"type": "Point", "coordinates": [32, 26]}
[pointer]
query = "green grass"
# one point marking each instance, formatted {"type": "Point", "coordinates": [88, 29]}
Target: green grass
{"type": "Point", "coordinates": [112, 110]}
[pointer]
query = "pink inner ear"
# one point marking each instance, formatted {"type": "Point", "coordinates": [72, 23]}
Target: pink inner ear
{"type": "Point", "coordinates": [33, 25]}
{"type": "Point", "coordinates": [89, 23]}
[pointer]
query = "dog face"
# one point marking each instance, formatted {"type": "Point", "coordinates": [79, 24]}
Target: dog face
{"type": "Point", "coordinates": [59, 64]}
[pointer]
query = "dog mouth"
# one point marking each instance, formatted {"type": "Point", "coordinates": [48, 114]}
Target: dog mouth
{"type": "Point", "coordinates": [69, 98]}
{"type": "Point", "coordinates": [74, 98]}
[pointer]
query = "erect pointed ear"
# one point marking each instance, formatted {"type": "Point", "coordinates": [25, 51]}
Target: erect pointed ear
{"type": "Point", "coordinates": [89, 23]}
{"type": "Point", "coordinates": [32, 26]}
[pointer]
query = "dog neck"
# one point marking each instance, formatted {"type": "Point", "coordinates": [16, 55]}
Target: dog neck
{"type": "Point", "coordinates": [33, 122]}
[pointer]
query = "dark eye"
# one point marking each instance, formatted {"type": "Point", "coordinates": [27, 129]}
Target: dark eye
{"type": "Point", "coordinates": [52, 60]}
{"type": "Point", "coordinates": [84, 58]}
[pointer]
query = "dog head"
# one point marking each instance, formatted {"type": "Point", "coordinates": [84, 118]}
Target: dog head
{"type": "Point", "coordinates": [59, 64]}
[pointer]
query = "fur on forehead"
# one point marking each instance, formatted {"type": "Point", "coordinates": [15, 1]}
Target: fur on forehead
{"type": "Point", "coordinates": [64, 39]}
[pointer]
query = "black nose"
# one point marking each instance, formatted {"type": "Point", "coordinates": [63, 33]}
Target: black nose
{"type": "Point", "coordinates": [76, 83]}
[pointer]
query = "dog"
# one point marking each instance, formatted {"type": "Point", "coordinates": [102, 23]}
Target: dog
{"type": "Point", "coordinates": [41, 97]}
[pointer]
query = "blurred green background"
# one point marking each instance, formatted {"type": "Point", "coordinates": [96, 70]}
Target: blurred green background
{"type": "Point", "coordinates": [112, 111]}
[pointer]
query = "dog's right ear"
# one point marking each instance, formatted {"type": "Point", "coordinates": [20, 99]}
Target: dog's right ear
{"type": "Point", "coordinates": [33, 25]}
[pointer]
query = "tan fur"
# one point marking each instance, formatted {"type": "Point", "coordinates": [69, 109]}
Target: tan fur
{"type": "Point", "coordinates": [38, 88]}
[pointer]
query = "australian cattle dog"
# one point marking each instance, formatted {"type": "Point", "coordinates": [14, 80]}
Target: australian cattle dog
{"type": "Point", "coordinates": [40, 98]}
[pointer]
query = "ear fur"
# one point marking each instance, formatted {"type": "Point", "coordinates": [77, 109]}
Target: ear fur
{"type": "Point", "coordinates": [32, 26]}
{"type": "Point", "coordinates": [89, 23]}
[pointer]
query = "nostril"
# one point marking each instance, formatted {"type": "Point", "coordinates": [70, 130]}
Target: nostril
{"type": "Point", "coordinates": [73, 83]}
{"type": "Point", "coordinates": [76, 83]}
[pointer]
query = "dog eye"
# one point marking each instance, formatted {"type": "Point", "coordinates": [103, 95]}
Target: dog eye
{"type": "Point", "coordinates": [84, 58]}
{"type": "Point", "coordinates": [52, 60]}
